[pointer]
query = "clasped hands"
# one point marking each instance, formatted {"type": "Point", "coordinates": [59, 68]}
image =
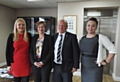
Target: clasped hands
{"type": "Point", "coordinates": [38, 64]}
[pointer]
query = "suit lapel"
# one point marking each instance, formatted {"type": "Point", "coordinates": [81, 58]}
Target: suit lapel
{"type": "Point", "coordinates": [55, 38]}
{"type": "Point", "coordinates": [35, 40]}
{"type": "Point", "coordinates": [34, 43]}
{"type": "Point", "coordinates": [44, 44]}
{"type": "Point", "coordinates": [65, 39]}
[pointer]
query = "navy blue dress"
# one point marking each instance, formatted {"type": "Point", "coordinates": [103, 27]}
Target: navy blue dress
{"type": "Point", "coordinates": [90, 72]}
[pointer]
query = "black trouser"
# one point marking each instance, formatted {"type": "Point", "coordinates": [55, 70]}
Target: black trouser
{"type": "Point", "coordinates": [41, 74]}
{"type": "Point", "coordinates": [22, 79]}
{"type": "Point", "coordinates": [60, 76]}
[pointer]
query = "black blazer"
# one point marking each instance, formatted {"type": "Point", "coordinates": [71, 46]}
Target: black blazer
{"type": "Point", "coordinates": [47, 50]}
{"type": "Point", "coordinates": [10, 48]}
{"type": "Point", "coordinates": [70, 52]}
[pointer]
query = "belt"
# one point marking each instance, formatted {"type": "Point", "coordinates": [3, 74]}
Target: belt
{"type": "Point", "coordinates": [92, 56]}
{"type": "Point", "coordinates": [57, 64]}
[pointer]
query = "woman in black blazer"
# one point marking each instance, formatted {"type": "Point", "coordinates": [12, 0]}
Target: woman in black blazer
{"type": "Point", "coordinates": [17, 52]}
{"type": "Point", "coordinates": [41, 54]}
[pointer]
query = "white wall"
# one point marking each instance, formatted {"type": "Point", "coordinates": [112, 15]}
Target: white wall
{"type": "Point", "coordinates": [37, 12]}
{"type": "Point", "coordinates": [7, 17]}
{"type": "Point", "coordinates": [77, 8]}
{"type": "Point", "coordinates": [117, 57]}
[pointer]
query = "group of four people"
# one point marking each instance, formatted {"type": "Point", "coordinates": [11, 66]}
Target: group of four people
{"type": "Point", "coordinates": [61, 52]}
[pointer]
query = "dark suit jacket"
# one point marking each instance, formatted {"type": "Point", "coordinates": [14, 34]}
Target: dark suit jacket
{"type": "Point", "coordinates": [70, 52]}
{"type": "Point", "coordinates": [10, 48]}
{"type": "Point", "coordinates": [47, 50]}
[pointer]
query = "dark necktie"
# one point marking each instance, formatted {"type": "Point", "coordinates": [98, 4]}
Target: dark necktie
{"type": "Point", "coordinates": [59, 49]}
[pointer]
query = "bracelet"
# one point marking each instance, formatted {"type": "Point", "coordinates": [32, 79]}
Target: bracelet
{"type": "Point", "coordinates": [105, 61]}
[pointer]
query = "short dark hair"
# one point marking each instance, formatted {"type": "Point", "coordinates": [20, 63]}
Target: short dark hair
{"type": "Point", "coordinates": [93, 19]}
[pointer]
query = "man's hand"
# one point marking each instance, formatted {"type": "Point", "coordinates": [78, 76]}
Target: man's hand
{"type": "Point", "coordinates": [74, 69]}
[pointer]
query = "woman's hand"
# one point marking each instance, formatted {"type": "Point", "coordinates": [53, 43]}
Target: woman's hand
{"type": "Point", "coordinates": [36, 64]}
{"type": "Point", "coordinates": [9, 68]}
{"type": "Point", "coordinates": [103, 62]}
{"type": "Point", "coordinates": [41, 64]}
{"type": "Point", "coordinates": [108, 59]}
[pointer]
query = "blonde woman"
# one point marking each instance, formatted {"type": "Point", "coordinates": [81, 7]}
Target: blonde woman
{"type": "Point", "coordinates": [17, 52]}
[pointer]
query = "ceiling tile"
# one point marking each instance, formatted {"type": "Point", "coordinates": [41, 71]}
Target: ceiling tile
{"type": "Point", "coordinates": [54, 4]}
{"type": "Point", "coordinates": [4, 0]}
{"type": "Point", "coordinates": [34, 4]}
{"type": "Point", "coordinates": [13, 5]}
{"type": "Point", "coordinates": [45, 4]}
{"type": "Point", "coordinates": [55, 0]}
{"type": "Point", "coordinates": [73, 0]}
{"type": "Point", "coordinates": [25, 3]}
{"type": "Point", "coordinates": [19, 0]}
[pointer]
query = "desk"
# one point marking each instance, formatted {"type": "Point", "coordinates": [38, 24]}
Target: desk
{"type": "Point", "coordinates": [4, 76]}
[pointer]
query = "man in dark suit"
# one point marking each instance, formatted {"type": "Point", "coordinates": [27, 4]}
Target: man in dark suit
{"type": "Point", "coordinates": [66, 54]}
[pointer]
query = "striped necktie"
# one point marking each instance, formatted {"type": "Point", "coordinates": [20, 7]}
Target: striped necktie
{"type": "Point", "coordinates": [59, 49]}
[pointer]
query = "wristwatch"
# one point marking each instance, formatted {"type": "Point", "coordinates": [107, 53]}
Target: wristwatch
{"type": "Point", "coordinates": [105, 61]}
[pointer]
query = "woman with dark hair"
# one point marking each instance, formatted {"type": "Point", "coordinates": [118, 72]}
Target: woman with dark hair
{"type": "Point", "coordinates": [93, 48]}
{"type": "Point", "coordinates": [41, 54]}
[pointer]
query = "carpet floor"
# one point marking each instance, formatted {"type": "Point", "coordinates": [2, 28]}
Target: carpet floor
{"type": "Point", "coordinates": [106, 78]}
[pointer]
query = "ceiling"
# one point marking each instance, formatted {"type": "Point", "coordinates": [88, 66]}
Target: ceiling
{"type": "Point", "coordinates": [18, 4]}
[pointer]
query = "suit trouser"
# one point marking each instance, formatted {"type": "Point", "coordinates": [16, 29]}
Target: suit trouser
{"type": "Point", "coordinates": [41, 74]}
{"type": "Point", "coordinates": [60, 76]}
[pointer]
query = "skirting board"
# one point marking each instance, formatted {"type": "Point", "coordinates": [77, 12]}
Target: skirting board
{"type": "Point", "coordinates": [77, 73]}
{"type": "Point", "coordinates": [2, 64]}
{"type": "Point", "coordinates": [116, 78]}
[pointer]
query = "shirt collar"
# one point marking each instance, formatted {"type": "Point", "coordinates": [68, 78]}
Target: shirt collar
{"type": "Point", "coordinates": [62, 34]}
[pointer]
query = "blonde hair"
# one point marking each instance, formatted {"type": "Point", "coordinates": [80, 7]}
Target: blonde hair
{"type": "Point", "coordinates": [25, 37]}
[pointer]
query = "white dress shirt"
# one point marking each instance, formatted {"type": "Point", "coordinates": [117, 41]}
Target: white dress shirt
{"type": "Point", "coordinates": [56, 47]}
